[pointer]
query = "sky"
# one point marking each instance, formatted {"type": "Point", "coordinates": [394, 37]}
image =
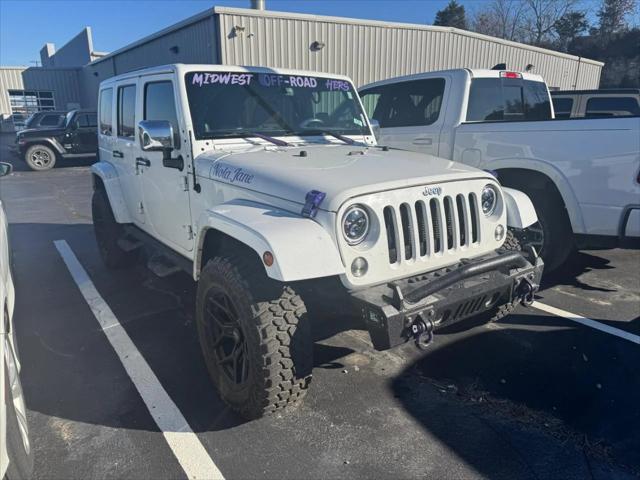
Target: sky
{"type": "Point", "coordinates": [26, 25]}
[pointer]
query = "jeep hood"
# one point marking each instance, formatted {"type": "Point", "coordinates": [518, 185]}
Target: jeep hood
{"type": "Point", "coordinates": [341, 171]}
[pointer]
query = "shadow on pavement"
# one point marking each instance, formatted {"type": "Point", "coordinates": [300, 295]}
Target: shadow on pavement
{"type": "Point", "coordinates": [70, 369]}
{"type": "Point", "coordinates": [566, 384]}
{"type": "Point", "coordinates": [577, 264]}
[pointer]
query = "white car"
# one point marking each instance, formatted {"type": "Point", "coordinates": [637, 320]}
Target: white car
{"type": "Point", "coordinates": [267, 186]}
{"type": "Point", "coordinates": [582, 175]}
{"type": "Point", "coordinates": [16, 456]}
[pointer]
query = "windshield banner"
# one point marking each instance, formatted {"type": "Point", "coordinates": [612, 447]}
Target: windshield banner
{"type": "Point", "coordinates": [269, 80]}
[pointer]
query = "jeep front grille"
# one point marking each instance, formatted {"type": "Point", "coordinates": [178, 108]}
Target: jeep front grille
{"type": "Point", "coordinates": [431, 227]}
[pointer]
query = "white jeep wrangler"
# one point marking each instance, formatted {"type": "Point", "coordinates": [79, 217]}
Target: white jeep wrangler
{"type": "Point", "coordinates": [261, 182]}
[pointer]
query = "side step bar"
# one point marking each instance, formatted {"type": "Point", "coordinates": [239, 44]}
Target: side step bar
{"type": "Point", "coordinates": [161, 260]}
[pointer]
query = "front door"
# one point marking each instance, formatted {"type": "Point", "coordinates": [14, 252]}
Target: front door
{"type": "Point", "coordinates": [165, 189]}
{"type": "Point", "coordinates": [85, 137]}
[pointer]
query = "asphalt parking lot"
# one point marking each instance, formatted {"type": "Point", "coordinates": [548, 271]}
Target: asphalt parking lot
{"type": "Point", "coordinates": [537, 395]}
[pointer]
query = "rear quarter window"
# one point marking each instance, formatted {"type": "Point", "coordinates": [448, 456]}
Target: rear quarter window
{"type": "Point", "coordinates": [106, 112]}
{"type": "Point", "coordinates": [562, 107]}
{"type": "Point", "coordinates": [612, 107]}
{"type": "Point", "coordinates": [507, 99]}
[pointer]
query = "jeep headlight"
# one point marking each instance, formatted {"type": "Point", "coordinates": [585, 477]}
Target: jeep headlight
{"type": "Point", "coordinates": [489, 199]}
{"type": "Point", "coordinates": [355, 224]}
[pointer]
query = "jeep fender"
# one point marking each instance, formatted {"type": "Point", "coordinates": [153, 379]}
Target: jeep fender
{"type": "Point", "coordinates": [49, 142]}
{"type": "Point", "coordinates": [109, 176]}
{"type": "Point", "coordinates": [520, 211]}
{"type": "Point", "coordinates": [555, 175]}
{"type": "Point", "coordinates": [301, 248]}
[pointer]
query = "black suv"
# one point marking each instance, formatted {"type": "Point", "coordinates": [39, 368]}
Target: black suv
{"type": "Point", "coordinates": [76, 137]}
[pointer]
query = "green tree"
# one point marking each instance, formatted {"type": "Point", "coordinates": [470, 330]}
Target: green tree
{"type": "Point", "coordinates": [569, 27]}
{"type": "Point", "coordinates": [613, 16]}
{"type": "Point", "coordinates": [453, 15]}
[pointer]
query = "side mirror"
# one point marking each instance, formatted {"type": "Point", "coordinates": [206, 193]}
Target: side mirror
{"type": "Point", "coordinates": [375, 127]}
{"type": "Point", "coordinates": [155, 135]}
{"type": "Point", "coordinates": [5, 169]}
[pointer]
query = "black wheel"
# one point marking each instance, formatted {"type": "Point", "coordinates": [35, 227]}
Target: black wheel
{"type": "Point", "coordinates": [18, 444]}
{"type": "Point", "coordinates": [40, 157]}
{"type": "Point", "coordinates": [255, 337]}
{"type": "Point", "coordinates": [511, 243]}
{"type": "Point", "coordinates": [551, 236]}
{"type": "Point", "coordinates": [108, 231]}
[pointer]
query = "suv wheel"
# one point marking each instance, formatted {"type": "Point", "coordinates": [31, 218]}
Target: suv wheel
{"type": "Point", "coordinates": [108, 231]}
{"type": "Point", "coordinates": [40, 157]}
{"type": "Point", "coordinates": [255, 336]}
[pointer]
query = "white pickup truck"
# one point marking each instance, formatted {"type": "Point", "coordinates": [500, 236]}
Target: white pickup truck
{"type": "Point", "coordinates": [267, 186]}
{"type": "Point", "coordinates": [582, 175]}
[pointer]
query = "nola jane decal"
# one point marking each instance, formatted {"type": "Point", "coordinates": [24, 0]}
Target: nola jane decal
{"type": "Point", "coordinates": [232, 174]}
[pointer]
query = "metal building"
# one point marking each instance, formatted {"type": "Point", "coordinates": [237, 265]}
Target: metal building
{"type": "Point", "coordinates": [365, 50]}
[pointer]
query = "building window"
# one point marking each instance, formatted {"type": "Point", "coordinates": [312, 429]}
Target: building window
{"type": "Point", "coordinates": [25, 103]}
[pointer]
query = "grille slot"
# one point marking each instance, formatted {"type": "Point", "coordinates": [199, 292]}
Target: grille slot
{"type": "Point", "coordinates": [462, 219]}
{"type": "Point", "coordinates": [390, 227]}
{"type": "Point", "coordinates": [423, 232]}
{"type": "Point", "coordinates": [437, 230]}
{"type": "Point", "coordinates": [473, 207]}
{"type": "Point", "coordinates": [407, 231]}
{"type": "Point", "coordinates": [448, 215]}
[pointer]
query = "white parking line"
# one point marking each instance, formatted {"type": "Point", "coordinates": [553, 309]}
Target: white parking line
{"type": "Point", "coordinates": [186, 446]}
{"type": "Point", "coordinates": [603, 327]}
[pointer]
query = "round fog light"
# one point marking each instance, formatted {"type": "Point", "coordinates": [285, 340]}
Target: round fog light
{"type": "Point", "coordinates": [499, 233]}
{"type": "Point", "coordinates": [359, 267]}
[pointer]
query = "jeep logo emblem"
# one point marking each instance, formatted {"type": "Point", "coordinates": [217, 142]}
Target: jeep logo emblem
{"type": "Point", "coordinates": [428, 191]}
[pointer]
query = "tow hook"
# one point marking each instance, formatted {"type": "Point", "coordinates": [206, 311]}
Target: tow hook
{"type": "Point", "coordinates": [526, 292]}
{"type": "Point", "coordinates": [422, 332]}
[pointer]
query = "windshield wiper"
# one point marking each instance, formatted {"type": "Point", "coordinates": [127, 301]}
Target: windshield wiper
{"type": "Point", "coordinates": [275, 141]}
{"type": "Point", "coordinates": [331, 133]}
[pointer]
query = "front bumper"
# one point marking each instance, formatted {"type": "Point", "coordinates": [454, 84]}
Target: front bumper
{"type": "Point", "coordinates": [448, 295]}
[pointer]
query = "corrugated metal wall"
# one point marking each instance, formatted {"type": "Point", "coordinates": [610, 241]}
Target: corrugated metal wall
{"type": "Point", "coordinates": [63, 82]}
{"type": "Point", "coordinates": [370, 51]}
{"type": "Point", "coordinates": [195, 43]}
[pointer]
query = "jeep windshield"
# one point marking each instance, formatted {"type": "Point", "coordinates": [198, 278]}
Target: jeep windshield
{"type": "Point", "coordinates": [239, 104]}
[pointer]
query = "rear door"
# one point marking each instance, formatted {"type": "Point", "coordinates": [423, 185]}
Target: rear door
{"type": "Point", "coordinates": [124, 152]}
{"type": "Point", "coordinates": [165, 189]}
{"type": "Point", "coordinates": [410, 113]}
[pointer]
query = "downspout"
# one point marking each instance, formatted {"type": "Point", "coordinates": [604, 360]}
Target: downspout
{"type": "Point", "coordinates": [575, 83]}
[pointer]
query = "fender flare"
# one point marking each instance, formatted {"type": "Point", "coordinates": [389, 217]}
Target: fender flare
{"type": "Point", "coordinates": [50, 142]}
{"type": "Point", "coordinates": [555, 175]}
{"type": "Point", "coordinates": [302, 249]}
{"type": "Point", "coordinates": [520, 211]}
{"type": "Point", "coordinates": [109, 176]}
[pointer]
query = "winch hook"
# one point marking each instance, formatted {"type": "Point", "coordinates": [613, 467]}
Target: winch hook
{"type": "Point", "coordinates": [422, 331]}
{"type": "Point", "coordinates": [527, 291]}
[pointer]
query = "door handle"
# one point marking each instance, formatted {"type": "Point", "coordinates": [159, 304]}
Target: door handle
{"type": "Point", "coordinates": [117, 153]}
{"type": "Point", "coordinates": [422, 141]}
{"type": "Point", "coordinates": [143, 162]}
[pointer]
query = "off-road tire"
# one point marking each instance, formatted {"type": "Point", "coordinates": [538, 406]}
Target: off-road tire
{"type": "Point", "coordinates": [273, 322]}
{"type": "Point", "coordinates": [42, 152]}
{"type": "Point", "coordinates": [20, 461]}
{"type": "Point", "coordinates": [511, 244]}
{"type": "Point", "coordinates": [108, 231]}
